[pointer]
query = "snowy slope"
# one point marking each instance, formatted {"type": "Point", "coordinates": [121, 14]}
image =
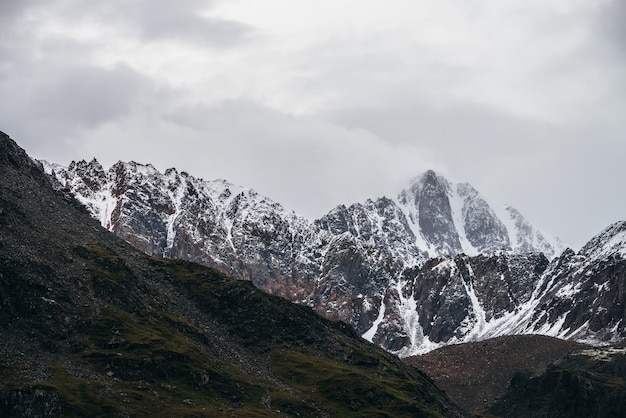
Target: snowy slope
{"type": "Point", "coordinates": [585, 295]}
{"type": "Point", "coordinates": [452, 218]}
{"type": "Point", "coordinates": [578, 296]}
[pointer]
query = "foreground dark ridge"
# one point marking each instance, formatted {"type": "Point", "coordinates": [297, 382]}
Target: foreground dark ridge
{"type": "Point", "coordinates": [524, 376]}
{"type": "Point", "coordinates": [586, 383]}
{"type": "Point", "coordinates": [92, 327]}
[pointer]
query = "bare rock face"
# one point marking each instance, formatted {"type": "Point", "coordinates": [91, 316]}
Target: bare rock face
{"type": "Point", "coordinates": [435, 266]}
{"type": "Point", "coordinates": [483, 229]}
{"type": "Point", "coordinates": [453, 300]}
{"type": "Point", "coordinates": [434, 213]}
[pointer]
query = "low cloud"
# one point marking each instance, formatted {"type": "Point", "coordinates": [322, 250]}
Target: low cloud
{"type": "Point", "coordinates": [68, 99]}
{"type": "Point", "coordinates": [316, 105]}
{"type": "Point", "coordinates": [303, 163]}
{"type": "Point", "coordinates": [160, 20]}
{"type": "Point", "coordinates": [610, 23]}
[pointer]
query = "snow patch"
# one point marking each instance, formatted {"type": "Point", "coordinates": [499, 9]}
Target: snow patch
{"type": "Point", "coordinates": [369, 334]}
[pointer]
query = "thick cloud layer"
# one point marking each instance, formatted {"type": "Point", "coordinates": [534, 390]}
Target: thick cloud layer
{"type": "Point", "coordinates": [317, 103]}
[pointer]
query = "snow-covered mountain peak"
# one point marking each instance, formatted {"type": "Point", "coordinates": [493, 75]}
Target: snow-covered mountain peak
{"type": "Point", "coordinates": [168, 214]}
{"type": "Point", "coordinates": [427, 183]}
{"type": "Point", "coordinates": [134, 171]}
{"type": "Point", "coordinates": [84, 166]}
{"type": "Point", "coordinates": [449, 218]}
{"type": "Point", "coordinates": [610, 242]}
{"type": "Point", "coordinates": [428, 178]}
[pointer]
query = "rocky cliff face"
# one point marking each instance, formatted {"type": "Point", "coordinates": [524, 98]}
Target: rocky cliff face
{"type": "Point", "coordinates": [437, 265]}
{"type": "Point", "coordinates": [584, 294]}
{"type": "Point", "coordinates": [453, 300]}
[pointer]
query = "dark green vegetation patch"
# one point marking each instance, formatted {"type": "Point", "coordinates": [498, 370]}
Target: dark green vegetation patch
{"type": "Point", "coordinates": [374, 390]}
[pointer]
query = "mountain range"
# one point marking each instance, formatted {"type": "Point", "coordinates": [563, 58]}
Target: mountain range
{"type": "Point", "coordinates": [91, 327]}
{"type": "Point", "coordinates": [436, 265]}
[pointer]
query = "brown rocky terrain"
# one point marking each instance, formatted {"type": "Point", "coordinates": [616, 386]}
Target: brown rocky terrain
{"type": "Point", "coordinates": [475, 374]}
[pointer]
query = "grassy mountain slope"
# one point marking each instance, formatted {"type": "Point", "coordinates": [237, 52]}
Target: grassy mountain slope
{"type": "Point", "coordinates": [92, 327]}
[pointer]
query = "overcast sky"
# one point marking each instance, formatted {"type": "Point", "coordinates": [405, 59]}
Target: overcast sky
{"type": "Point", "coordinates": [317, 103]}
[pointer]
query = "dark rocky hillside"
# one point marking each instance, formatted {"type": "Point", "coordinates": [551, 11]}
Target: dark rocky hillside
{"type": "Point", "coordinates": [587, 383]}
{"type": "Point", "coordinates": [530, 376]}
{"type": "Point", "coordinates": [475, 374]}
{"type": "Point", "coordinates": [92, 327]}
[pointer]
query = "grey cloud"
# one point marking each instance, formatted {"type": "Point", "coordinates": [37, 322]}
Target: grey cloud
{"type": "Point", "coordinates": [453, 128]}
{"type": "Point", "coordinates": [158, 20]}
{"type": "Point", "coordinates": [168, 22]}
{"type": "Point", "coordinates": [10, 10]}
{"type": "Point", "coordinates": [610, 22]}
{"type": "Point", "coordinates": [67, 98]}
{"type": "Point", "coordinates": [86, 95]}
{"type": "Point", "coordinates": [51, 86]}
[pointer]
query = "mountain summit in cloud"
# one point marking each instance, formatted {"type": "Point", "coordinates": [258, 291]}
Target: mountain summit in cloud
{"type": "Point", "coordinates": [452, 218]}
